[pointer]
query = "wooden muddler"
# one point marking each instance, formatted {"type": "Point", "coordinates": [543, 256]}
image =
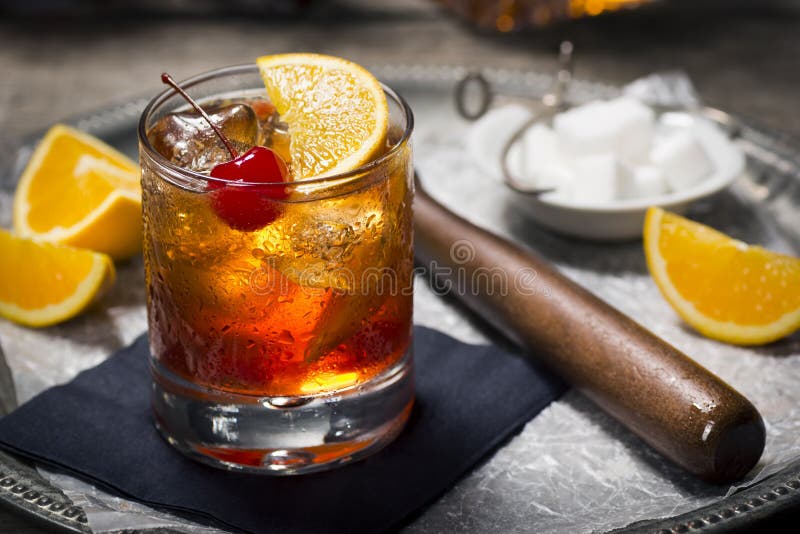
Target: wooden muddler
{"type": "Point", "coordinates": [675, 405]}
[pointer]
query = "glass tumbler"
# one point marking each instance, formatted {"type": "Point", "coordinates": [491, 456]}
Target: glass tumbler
{"type": "Point", "coordinates": [287, 348]}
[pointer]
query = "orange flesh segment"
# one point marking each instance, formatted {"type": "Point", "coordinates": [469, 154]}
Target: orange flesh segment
{"type": "Point", "coordinates": [726, 289]}
{"type": "Point", "coordinates": [746, 279]}
{"type": "Point", "coordinates": [45, 283]}
{"type": "Point", "coordinates": [58, 201]}
{"type": "Point", "coordinates": [336, 111]}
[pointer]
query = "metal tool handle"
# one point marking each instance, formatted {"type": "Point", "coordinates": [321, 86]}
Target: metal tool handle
{"type": "Point", "coordinates": [552, 103]}
{"type": "Point", "coordinates": [675, 405]}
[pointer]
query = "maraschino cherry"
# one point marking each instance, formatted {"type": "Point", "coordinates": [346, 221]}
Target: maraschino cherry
{"type": "Point", "coordinates": [243, 207]}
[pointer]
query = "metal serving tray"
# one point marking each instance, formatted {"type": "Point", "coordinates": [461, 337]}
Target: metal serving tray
{"type": "Point", "coordinates": [572, 468]}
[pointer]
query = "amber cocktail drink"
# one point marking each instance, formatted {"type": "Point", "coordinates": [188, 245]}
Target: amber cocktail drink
{"type": "Point", "coordinates": [279, 312]}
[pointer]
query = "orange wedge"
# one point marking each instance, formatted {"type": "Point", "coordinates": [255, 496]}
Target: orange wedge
{"type": "Point", "coordinates": [78, 191]}
{"type": "Point", "coordinates": [726, 289]}
{"type": "Point", "coordinates": [336, 111]}
{"type": "Point", "coordinates": [42, 284]}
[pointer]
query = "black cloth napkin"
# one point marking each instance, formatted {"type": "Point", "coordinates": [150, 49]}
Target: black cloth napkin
{"type": "Point", "coordinates": [469, 399]}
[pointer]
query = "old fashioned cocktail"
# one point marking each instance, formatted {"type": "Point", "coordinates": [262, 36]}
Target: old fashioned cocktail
{"type": "Point", "coordinates": [279, 308]}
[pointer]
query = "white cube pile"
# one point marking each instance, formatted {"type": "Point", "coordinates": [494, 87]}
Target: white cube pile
{"type": "Point", "coordinates": [611, 150]}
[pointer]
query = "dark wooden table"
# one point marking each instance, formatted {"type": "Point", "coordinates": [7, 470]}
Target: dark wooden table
{"type": "Point", "coordinates": [743, 56]}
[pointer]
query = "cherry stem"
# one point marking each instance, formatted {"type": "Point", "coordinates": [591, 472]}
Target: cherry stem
{"type": "Point", "coordinates": [167, 79]}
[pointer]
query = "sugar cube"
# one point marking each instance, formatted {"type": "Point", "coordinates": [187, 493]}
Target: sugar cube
{"type": "Point", "coordinates": [682, 159]}
{"type": "Point", "coordinates": [544, 164]}
{"type": "Point", "coordinates": [596, 179]}
{"type": "Point", "coordinates": [541, 147]}
{"type": "Point", "coordinates": [636, 127]}
{"type": "Point", "coordinates": [623, 126]}
{"type": "Point", "coordinates": [587, 129]}
{"type": "Point", "coordinates": [641, 181]}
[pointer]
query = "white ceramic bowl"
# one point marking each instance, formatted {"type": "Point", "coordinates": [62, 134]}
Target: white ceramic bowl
{"type": "Point", "coordinates": [624, 219]}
